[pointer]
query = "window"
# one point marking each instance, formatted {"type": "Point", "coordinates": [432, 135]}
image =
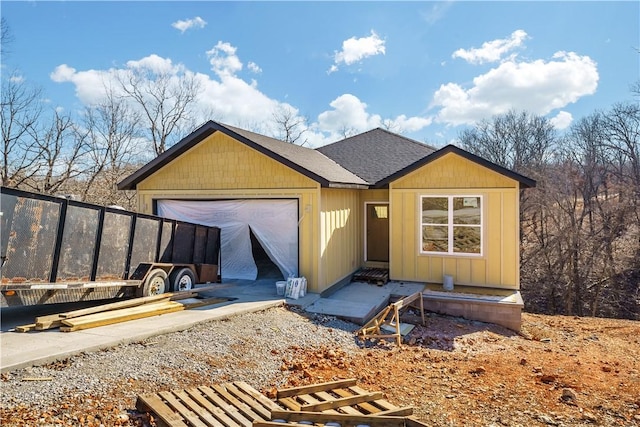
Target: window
{"type": "Point", "coordinates": [451, 224]}
{"type": "Point", "coordinates": [381, 212]}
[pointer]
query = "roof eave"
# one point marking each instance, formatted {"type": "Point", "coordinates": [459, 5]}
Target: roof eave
{"type": "Point", "coordinates": [188, 142]}
{"type": "Point", "coordinates": [209, 128]}
{"type": "Point", "coordinates": [346, 185]}
{"type": "Point", "coordinates": [525, 182]}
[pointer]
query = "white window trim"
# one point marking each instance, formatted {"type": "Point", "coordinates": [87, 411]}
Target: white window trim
{"type": "Point", "coordinates": [450, 225]}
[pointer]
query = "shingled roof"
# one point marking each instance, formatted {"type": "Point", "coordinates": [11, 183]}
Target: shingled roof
{"type": "Point", "coordinates": [376, 154]}
{"type": "Point", "coordinates": [307, 161]}
{"type": "Point", "coordinates": [371, 159]}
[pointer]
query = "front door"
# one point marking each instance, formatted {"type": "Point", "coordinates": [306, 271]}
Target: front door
{"type": "Point", "coordinates": [377, 229]}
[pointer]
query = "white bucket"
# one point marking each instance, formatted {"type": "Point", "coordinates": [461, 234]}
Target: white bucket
{"type": "Point", "coordinates": [280, 286]}
{"type": "Point", "coordinates": [447, 282]}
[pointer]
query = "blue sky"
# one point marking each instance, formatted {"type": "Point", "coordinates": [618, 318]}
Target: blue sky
{"type": "Point", "coordinates": [423, 69]}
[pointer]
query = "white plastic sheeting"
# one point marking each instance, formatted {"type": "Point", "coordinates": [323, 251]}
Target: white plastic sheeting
{"type": "Point", "coordinates": [273, 222]}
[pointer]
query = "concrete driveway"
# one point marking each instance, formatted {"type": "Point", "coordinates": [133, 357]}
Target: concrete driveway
{"type": "Point", "coordinates": [356, 302]}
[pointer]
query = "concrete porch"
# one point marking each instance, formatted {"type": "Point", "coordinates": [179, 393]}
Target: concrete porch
{"type": "Point", "coordinates": [358, 302]}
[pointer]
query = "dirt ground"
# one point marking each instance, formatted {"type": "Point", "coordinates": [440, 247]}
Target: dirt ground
{"type": "Point", "coordinates": [563, 371]}
{"type": "Point", "coordinates": [559, 371]}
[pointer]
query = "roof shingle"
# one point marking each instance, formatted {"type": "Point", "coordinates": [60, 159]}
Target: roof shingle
{"type": "Point", "coordinates": [376, 154]}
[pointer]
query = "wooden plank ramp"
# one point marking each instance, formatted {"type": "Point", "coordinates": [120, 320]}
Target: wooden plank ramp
{"type": "Point", "coordinates": [376, 276]}
{"type": "Point", "coordinates": [238, 404]}
{"type": "Point", "coordinates": [389, 319]}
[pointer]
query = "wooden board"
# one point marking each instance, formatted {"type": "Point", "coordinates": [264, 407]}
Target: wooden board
{"type": "Point", "coordinates": [341, 396]}
{"type": "Point", "coordinates": [234, 404]}
{"type": "Point", "coordinates": [189, 299]}
{"type": "Point", "coordinates": [377, 276]}
{"type": "Point", "coordinates": [388, 320]}
{"type": "Point", "coordinates": [55, 320]}
{"type": "Point", "coordinates": [117, 316]}
{"type": "Point", "coordinates": [237, 404]}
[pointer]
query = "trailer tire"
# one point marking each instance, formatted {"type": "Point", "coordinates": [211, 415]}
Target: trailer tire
{"type": "Point", "coordinates": [155, 283]}
{"type": "Point", "coordinates": [182, 280]}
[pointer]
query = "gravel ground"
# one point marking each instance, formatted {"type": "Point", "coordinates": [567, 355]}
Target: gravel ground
{"type": "Point", "coordinates": [558, 371]}
{"type": "Point", "coordinates": [249, 347]}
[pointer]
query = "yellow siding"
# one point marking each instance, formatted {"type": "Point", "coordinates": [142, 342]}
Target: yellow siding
{"type": "Point", "coordinates": [221, 162]}
{"type": "Point", "coordinates": [223, 168]}
{"type": "Point", "coordinates": [331, 228]}
{"type": "Point", "coordinates": [498, 266]}
{"type": "Point", "coordinates": [377, 195]}
{"type": "Point", "coordinates": [340, 235]}
{"type": "Point", "coordinates": [453, 171]}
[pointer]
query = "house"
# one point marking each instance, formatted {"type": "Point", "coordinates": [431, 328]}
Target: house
{"type": "Point", "coordinates": [376, 199]}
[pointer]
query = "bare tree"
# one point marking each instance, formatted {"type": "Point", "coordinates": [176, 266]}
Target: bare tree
{"type": "Point", "coordinates": [391, 126]}
{"type": "Point", "coordinates": [19, 119]}
{"type": "Point", "coordinates": [290, 126]}
{"type": "Point", "coordinates": [60, 155]}
{"type": "Point", "coordinates": [516, 140]}
{"type": "Point", "coordinates": [6, 37]}
{"type": "Point", "coordinates": [347, 131]}
{"type": "Point", "coordinates": [581, 246]}
{"type": "Point", "coordinates": [164, 99]}
{"type": "Point", "coordinates": [110, 130]}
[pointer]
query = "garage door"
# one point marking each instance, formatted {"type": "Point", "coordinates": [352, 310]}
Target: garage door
{"type": "Point", "coordinates": [273, 222]}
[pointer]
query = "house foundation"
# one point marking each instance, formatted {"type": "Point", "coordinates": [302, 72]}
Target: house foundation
{"type": "Point", "coordinates": [502, 307]}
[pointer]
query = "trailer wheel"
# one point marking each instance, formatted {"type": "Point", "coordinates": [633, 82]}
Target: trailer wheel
{"type": "Point", "coordinates": [155, 284]}
{"type": "Point", "coordinates": [182, 280]}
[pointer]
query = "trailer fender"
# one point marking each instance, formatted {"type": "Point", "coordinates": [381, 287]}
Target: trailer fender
{"type": "Point", "coordinates": [182, 279]}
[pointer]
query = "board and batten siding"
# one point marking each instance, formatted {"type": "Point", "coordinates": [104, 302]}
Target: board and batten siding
{"type": "Point", "coordinates": [340, 235]}
{"type": "Point", "coordinates": [221, 168]}
{"type": "Point", "coordinates": [498, 266]}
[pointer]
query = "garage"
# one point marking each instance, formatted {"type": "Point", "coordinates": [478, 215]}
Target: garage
{"type": "Point", "coordinates": [271, 223]}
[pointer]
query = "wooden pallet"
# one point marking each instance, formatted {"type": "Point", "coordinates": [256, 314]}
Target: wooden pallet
{"type": "Point", "coordinates": [377, 276]}
{"type": "Point", "coordinates": [238, 404]}
{"type": "Point", "coordinates": [234, 404]}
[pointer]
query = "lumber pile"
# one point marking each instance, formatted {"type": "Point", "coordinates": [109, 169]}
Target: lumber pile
{"type": "Point", "coordinates": [237, 404]}
{"type": "Point", "coordinates": [121, 311]}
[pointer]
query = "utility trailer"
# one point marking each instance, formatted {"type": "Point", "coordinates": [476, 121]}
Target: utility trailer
{"type": "Point", "coordinates": [59, 250]}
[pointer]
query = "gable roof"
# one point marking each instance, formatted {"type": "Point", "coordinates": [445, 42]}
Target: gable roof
{"type": "Point", "coordinates": [523, 180]}
{"type": "Point", "coordinates": [308, 162]}
{"type": "Point", "coordinates": [376, 154]}
{"type": "Point", "coordinates": [371, 159]}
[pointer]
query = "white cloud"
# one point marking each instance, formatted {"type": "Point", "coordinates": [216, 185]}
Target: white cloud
{"type": "Point", "coordinates": [409, 124]}
{"type": "Point", "coordinates": [349, 116]}
{"type": "Point", "coordinates": [562, 120]}
{"type": "Point", "coordinates": [355, 50]}
{"type": "Point", "coordinates": [348, 112]}
{"type": "Point", "coordinates": [90, 85]}
{"type": "Point", "coordinates": [187, 24]}
{"type": "Point", "coordinates": [155, 64]}
{"type": "Point", "coordinates": [223, 59]}
{"type": "Point", "coordinates": [538, 86]}
{"type": "Point", "coordinates": [492, 51]}
{"type": "Point", "coordinates": [227, 97]}
{"type": "Point", "coordinates": [254, 68]}
{"type": "Point", "coordinates": [17, 79]}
